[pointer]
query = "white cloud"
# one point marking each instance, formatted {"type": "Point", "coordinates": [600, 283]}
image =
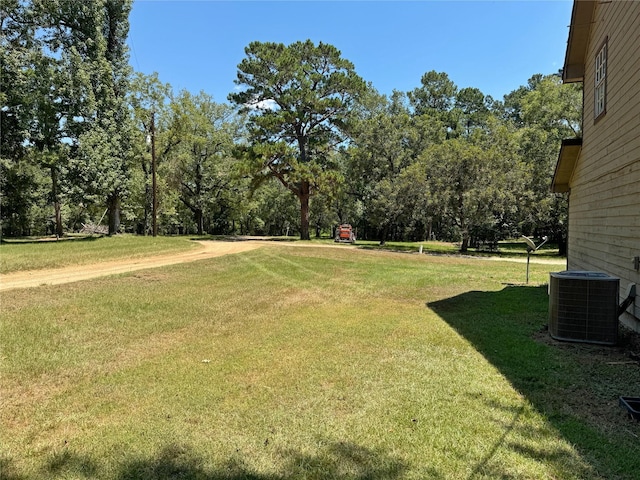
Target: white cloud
{"type": "Point", "coordinates": [263, 105]}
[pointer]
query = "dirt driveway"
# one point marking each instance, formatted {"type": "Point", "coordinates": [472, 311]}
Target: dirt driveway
{"type": "Point", "coordinates": [208, 249]}
{"type": "Point", "coordinates": [75, 273]}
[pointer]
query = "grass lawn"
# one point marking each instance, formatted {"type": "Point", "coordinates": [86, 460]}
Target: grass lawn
{"type": "Point", "coordinates": [319, 363]}
{"type": "Point", "coordinates": [25, 254]}
{"type": "Point", "coordinates": [507, 249]}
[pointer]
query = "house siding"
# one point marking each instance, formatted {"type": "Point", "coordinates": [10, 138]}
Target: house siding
{"type": "Point", "coordinates": [604, 203]}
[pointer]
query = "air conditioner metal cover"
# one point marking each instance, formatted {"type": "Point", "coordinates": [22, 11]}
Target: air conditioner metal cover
{"type": "Point", "coordinates": [583, 307]}
{"type": "Point", "coordinates": [582, 274]}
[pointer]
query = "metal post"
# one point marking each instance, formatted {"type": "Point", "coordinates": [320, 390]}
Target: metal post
{"type": "Point", "coordinates": [528, 257]}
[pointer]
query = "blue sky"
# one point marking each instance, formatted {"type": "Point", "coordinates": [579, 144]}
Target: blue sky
{"type": "Point", "coordinates": [495, 46]}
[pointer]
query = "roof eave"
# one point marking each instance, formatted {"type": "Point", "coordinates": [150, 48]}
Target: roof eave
{"type": "Point", "coordinates": [579, 29]}
{"type": "Point", "coordinates": [567, 159]}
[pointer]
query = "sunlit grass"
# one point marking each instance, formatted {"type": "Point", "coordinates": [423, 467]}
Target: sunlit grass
{"type": "Point", "coordinates": [34, 254]}
{"type": "Point", "coordinates": [506, 248]}
{"type": "Point", "coordinates": [286, 363]}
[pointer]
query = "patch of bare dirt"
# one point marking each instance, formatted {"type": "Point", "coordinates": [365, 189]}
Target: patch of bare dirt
{"type": "Point", "coordinates": [602, 374]}
{"type": "Point", "coordinates": [627, 349]}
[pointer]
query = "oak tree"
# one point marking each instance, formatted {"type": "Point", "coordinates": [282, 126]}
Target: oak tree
{"type": "Point", "coordinates": [197, 154]}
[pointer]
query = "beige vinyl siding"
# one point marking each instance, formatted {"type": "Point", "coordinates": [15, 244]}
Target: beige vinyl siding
{"type": "Point", "coordinates": [604, 205]}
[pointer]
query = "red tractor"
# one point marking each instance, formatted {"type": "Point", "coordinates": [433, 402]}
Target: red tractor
{"type": "Point", "coordinates": [345, 234]}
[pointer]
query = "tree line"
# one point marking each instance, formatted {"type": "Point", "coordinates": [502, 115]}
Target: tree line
{"type": "Point", "coordinates": [303, 145]}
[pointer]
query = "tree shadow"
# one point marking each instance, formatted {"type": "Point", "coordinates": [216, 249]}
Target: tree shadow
{"type": "Point", "coordinates": [544, 451]}
{"type": "Point", "coordinates": [335, 460]}
{"type": "Point", "coordinates": [484, 464]}
{"type": "Point", "coordinates": [48, 240]}
{"type": "Point", "coordinates": [343, 460]}
{"type": "Point", "coordinates": [67, 461]}
{"type": "Point", "coordinates": [8, 470]}
{"type": "Point", "coordinates": [508, 328]}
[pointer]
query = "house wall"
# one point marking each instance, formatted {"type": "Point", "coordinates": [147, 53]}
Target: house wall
{"type": "Point", "coordinates": [604, 203]}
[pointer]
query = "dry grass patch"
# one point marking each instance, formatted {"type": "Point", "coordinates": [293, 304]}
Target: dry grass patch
{"type": "Point", "coordinates": [284, 364]}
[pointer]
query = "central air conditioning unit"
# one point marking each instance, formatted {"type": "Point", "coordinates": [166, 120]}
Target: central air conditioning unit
{"type": "Point", "coordinates": [583, 307]}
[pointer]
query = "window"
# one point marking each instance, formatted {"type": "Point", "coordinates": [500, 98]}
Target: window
{"type": "Point", "coordinates": [601, 82]}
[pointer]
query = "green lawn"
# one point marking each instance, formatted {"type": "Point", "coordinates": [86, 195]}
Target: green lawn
{"type": "Point", "coordinates": [507, 249]}
{"type": "Point", "coordinates": [35, 254]}
{"type": "Point", "coordinates": [318, 363]}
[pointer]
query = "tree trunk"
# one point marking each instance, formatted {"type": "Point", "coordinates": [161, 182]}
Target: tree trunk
{"type": "Point", "coordinates": [464, 228]}
{"type": "Point", "coordinates": [465, 241]}
{"type": "Point", "coordinates": [58, 213]}
{"type": "Point", "coordinates": [199, 217]}
{"type": "Point", "coordinates": [56, 202]}
{"type": "Point", "coordinates": [304, 196]}
{"type": "Point", "coordinates": [384, 234]}
{"type": "Point", "coordinates": [148, 199]}
{"type": "Point", "coordinates": [561, 240]}
{"type": "Point", "coordinates": [113, 204]}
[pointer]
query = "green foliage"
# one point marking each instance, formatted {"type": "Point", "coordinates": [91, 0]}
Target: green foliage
{"type": "Point", "coordinates": [554, 107]}
{"type": "Point", "coordinates": [273, 211]}
{"type": "Point", "coordinates": [68, 68]}
{"type": "Point", "coordinates": [105, 150]}
{"type": "Point", "coordinates": [197, 157]}
{"type": "Point", "coordinates": [436, 94]}
{"type": "Point", "coordinates": [473, 187]}
{"type": "Point", "coordinates": [434, 162]}
{"type": "Point", "coordinates": [21, 192]}
{"type": "Point", "coordinates": [301, 96]}
{"type": "Point", "coordinates": [472, 109]}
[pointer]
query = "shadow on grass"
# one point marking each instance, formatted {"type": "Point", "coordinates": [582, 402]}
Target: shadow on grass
{"type": "Point", "coordinates": [8, 470]}
{"type": "Point", "coordinates": [562, 381]}
{"type": "Point", "coordinates": [66, 462]}
{"type": "Point", "coordinates": [337, 460]}
{"type": "Point", "coordinates": [484, 464]}
{"type": "Point", "coordinates": [500, 325]}
{"type": "Point", "coordinates": [46, 240]}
